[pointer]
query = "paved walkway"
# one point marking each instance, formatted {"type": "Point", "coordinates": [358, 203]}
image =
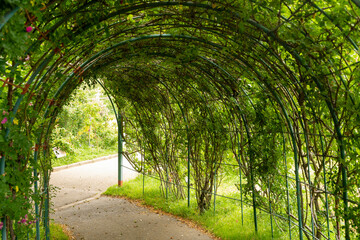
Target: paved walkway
{"type": "Point", "coordinates": [78, 204]}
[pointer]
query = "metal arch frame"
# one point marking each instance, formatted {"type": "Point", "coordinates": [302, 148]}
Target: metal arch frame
{"type": "Point", "coordinates": [156, 5]}
{"type": "Point", "coordinates": [337, 127]}
{"type": "Point", "coordinates": [8, 16]}
{"type": "Point", "coordinates": [320, 134]}
{"type": "Point", "coordinates": [63, 85]}
{"type": "Point", "coordinates": [152, 5]}
{"type": "Point", "coordinates": [87, 67]}
{"type": "Point", "coordinates": [187, 130]}
{"type": "Point", "coordinates": [308, 157]}
{"type": "Point", "coordinates": [254, 205]}
{"type": "Point", "coordinates": [333, 115]}
{"type": "Point", "coordinates": [243, 117]}
{"type": "Point", "coordinates": [120, 133]}
{"type": "Point", "coordinates": [46, 212]}
{"type": "Point", "coordinates": [16, 107]}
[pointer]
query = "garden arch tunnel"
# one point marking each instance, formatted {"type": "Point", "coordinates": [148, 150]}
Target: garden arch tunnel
{"type": "Point", "coordinates": [274, 83]}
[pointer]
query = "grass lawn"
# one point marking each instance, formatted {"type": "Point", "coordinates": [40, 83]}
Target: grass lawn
{"type": "Point", "coordinates": [225, 222]}
{"type": "Point", "coordinates": [83, 154]}
{"type": "Point", "coordinates": [58, 232]}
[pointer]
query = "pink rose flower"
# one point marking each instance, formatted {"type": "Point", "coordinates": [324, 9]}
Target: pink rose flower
{"type": "Point", "coordinates": [24, 220]}
{"type": "Point", "coordinates": [27, 58]}
{"type": "Point", "coordinates": [29, 28]}
{"type": "Point", "coordinates": [4, 121]}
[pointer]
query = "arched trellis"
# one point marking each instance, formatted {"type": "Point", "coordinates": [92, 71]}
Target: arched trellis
{"type": "Point", "coordinates": [293, 65]}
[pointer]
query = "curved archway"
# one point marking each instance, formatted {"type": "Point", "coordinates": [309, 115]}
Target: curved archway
{"type": "Point", "coordinates": [285, 71]}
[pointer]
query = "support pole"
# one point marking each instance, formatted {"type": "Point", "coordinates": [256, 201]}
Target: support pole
{"type": "Point", "coordinates": [166, 183]}
{"type": "Point", "coordinates": [287, 185]}
{"type": "Point", "coordinates": [120, 150]}
{"type": "Point", "coordinates": [240, 175]}
{"type": "Point", "coordinates": [2, 165]}
{"type": "Point", "coordinates": [46, 205]}
{"type": "Point", "coordinates": [253, 186]}
{"type": "Point", "coordinates": [188, 168]}
{"type": "Point", "coordinates": [215, 192]}
{"type": "Point", "coordinates": [271, 218]}
{"type": "Point", "coordinates": [253, 196]}
{"type": "Point", "coordinates": [167, 173]}
{"type": "Point", "coordinates": [144, 172]}
{"type": "Point", "coordinates": [241, 197]}
{"type": "Point", "coordinates": [325, 187]}
{"type": "Point", "coordinates": [120, 130]}
{"type": "Point", "coordinates": [2, 171]}
{"type": "Point", "coordinates": [3, 230]}
{"type": "Point", "coordinates": [37, 218]}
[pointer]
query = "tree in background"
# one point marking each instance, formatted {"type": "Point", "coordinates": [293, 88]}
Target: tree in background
{"type": "Point", "coordinates": [86, 121]}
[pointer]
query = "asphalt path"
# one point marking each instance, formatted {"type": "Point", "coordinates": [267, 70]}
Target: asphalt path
{"type": "Point", "coordinates": [77, 203]}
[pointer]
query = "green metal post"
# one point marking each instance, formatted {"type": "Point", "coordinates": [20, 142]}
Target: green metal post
{"type": "Point", "coordinates": [238, 160]}
{"type": "Point", "coordinates": [46, 205]}
{"type": "Point", "coordinates": [253, 195]}
{"type": "Point", "coordinates": [166, 169]}
{"type": "Point", "coordinates": [345, 193]}
{"type": "Point", "coordinates": [296, 162]}
{"type": "Point", "coordinates": [310, 196]}
{"type": "Point", "coordinates": [188, 168]}
{"type": "Point", "coordinates": [120, 150]}
{"type": "Point", "coordinates": [215, 193]}
{"type": "Point", "coordinates": [143, 186]}
{"type": "Point", "coordinates": [241, 198]}
{"type": "Point", "coordinates": [8, 16]}
{"type": "Point", "coordinates": [37, 217]}
{"type": "Point", "coordinates": [3, 230]}
{"type": "Point", "coordinates": [166, 184]}
{"type": "Point", "coordinates": [298, 192]}
{"type": "Point", "coordinates": [120, 130]}
{"type": "Point", "coordinates": [271, 219]}
{"type": "Point", "coordinates": [325, 186]}
{"type": "Point", "coordinates": [287, 185]}
{"type": "Point", "coordinates": [2, 171]}
{"type": "Point", "coordinates": [251, 161]}
{"type": "Point", "coordinates": [253, 186]}
{"type": "Point", "coordinates": [310, 184]}
{"type": "Point", "coordinates": [2, 165]}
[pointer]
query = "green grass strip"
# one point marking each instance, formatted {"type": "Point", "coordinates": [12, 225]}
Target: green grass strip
{"type": "Point", "coordinates": [225, 223]}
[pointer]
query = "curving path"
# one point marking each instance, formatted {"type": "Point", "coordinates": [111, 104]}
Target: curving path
{"type": "Point", "coordinates": [78, 205]}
